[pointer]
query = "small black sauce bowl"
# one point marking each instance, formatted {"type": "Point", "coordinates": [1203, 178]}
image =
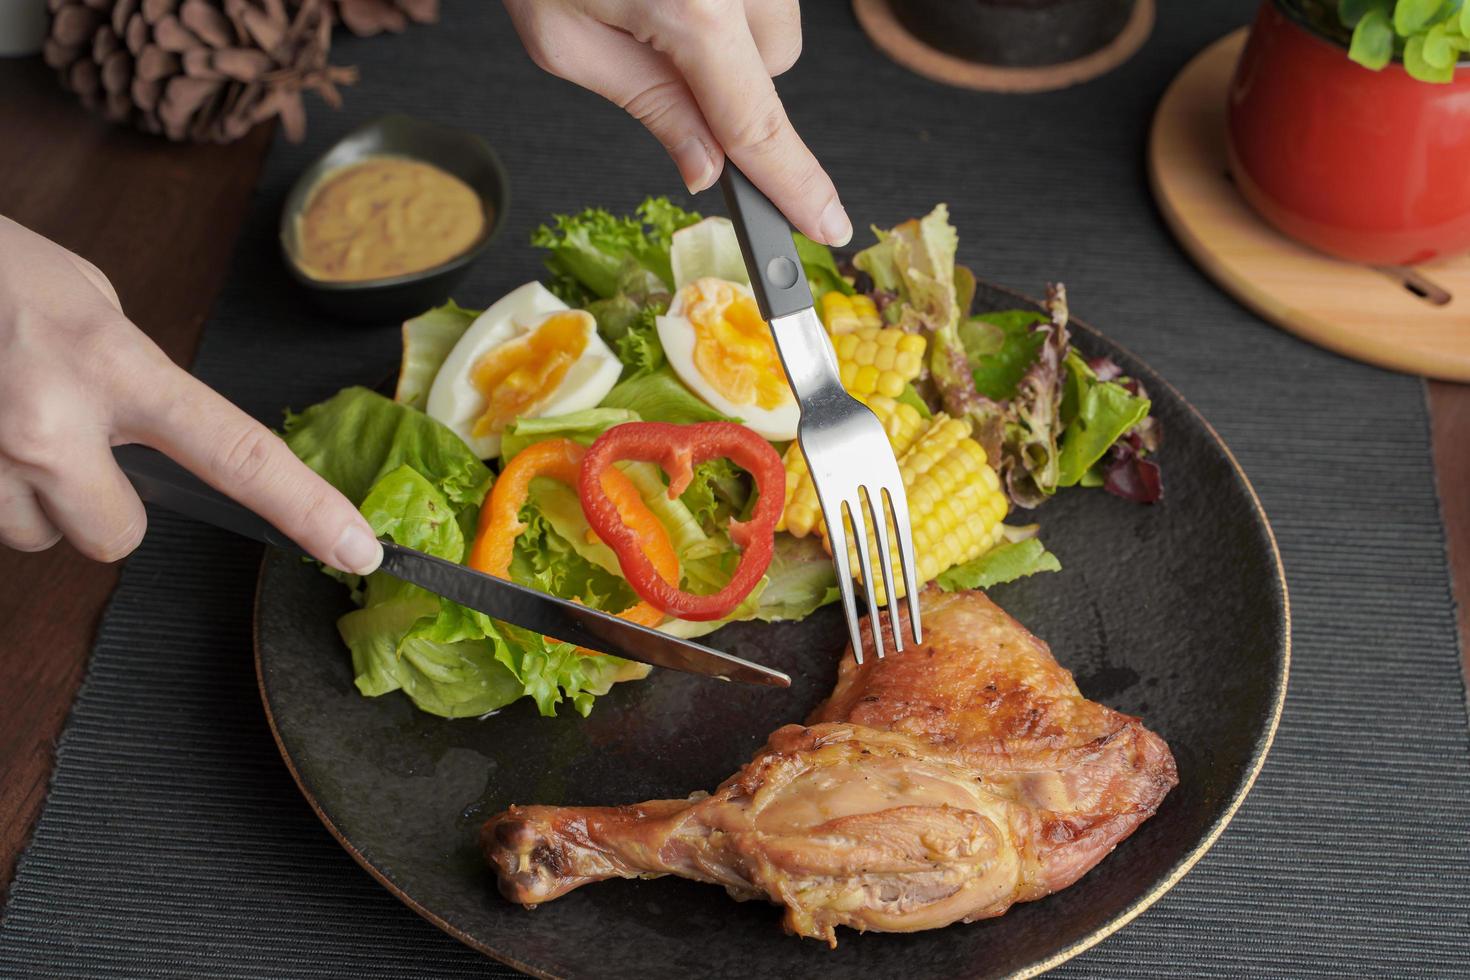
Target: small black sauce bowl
{"type": "Point", "coordinates": [462, 154]}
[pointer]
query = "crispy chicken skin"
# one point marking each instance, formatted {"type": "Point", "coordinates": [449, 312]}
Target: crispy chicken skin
{"type": "Point", "coordinates": [940, 784]}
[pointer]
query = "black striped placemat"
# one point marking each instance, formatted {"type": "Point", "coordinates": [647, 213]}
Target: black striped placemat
{"type": "Point", "coordinates": [174, 842]}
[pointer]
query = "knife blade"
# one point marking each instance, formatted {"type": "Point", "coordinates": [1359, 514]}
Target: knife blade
{"type": "Point", "coordinates": [159, 480]}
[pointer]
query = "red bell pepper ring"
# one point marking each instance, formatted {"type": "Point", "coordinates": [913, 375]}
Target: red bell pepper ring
{"type": "Point", "coordinates": [677, 449]}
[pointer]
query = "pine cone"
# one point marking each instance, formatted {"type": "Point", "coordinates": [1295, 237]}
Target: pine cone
{"type": "Point", "coordinates": [368, 17]}
{"type": "Point", "coordinates": [197, 70]}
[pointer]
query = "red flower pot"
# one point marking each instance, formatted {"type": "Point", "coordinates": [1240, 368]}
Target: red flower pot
{"type": "Point", "coordinates": [1369, 166]}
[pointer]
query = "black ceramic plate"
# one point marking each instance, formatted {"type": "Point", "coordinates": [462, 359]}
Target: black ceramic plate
{"type": "Point", "coordinates": [1175, 612]}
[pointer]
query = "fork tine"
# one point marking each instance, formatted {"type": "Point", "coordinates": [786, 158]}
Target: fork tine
{"type": "Point", "coordinates": [859, 532]}
{"type": "Point", "coordinates": [837, 538]}
{"type": "Point", "coordinates": [879, 512]}
{"type": "Point", "coordinates": [905, 534]}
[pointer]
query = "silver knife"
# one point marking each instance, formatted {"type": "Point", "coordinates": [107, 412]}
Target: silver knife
{"type": "Point", "coordinates": [159, 480]}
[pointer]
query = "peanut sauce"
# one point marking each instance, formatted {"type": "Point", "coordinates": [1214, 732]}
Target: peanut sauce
{"type": "Point", "coordinates": [386, 216]}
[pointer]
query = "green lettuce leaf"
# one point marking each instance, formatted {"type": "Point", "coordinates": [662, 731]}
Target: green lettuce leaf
{"type": "Point", "coordinates": [462, 663]}
{"type": "Point", "coordinates": [916, 260]}
{"type": "Point", "coordinates": [441, 655]}
{"type": "Point", "coordinates": [717, 492]}
{"type": "Point", "coordinates": [553, 553]}
{"type": "Point", "coordinates": [409, 509]}
{"type": "Point", "coordinates": [910, 396]}
{"type": "Point", "coordinates": [437, 655]}
{"type": "Point", "coordinates": [427, 340]}
{"type": "Point", "coordinates": [641, 352]}
{"type": "Point", "coordinates": [357, 436]}
{"type": "Point", "coordinates": [453, 661]}
{"type": "Point", "coordinates": [372, 635]}
{"type": "Point", "coordinates": [451, 664]}
{"type": "Point", "coordinates": [1001, 347]}
{"type": "Point", "coordinates": [820, 267]}
{"type": "Point", "coordinates": [689, 629]}
{"type": "Point", "coordinates": [589, 253]}
{"type": "Point", "coordinates": [690, 541]}
{"type": "Point", "coordinates": [801, 580]}
{"type": "Point", "coordinates": [1099, 413]}
{"type": "Point", "coordinates": [550, 672]}
{"type": "Point", "coordinates": [1033, 422]}
{"type": "Point", "coordinates": [659, 396]}
{"type": "Point", "coordinates": [582, 427]}
{"type": "Point", "coordinates": [662, 218]}
{"type": "Point", "coordinates": [965, 287]}
{"type": "Point", "coordinates": [708, 248]}
{"type": "Point", "coordinates": [1005, 563]}
{"type": "Point", "coordinates": [628, 324]}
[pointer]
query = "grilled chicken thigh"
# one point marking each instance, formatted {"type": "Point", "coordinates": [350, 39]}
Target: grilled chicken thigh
{"type": "Point", "coordinates": [940, 784]}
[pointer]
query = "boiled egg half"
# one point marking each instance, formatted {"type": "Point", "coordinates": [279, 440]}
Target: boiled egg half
{"type": "Point", "coordinates": [529, 355]}
{"type": "Point", "coordinates": [719, 346]}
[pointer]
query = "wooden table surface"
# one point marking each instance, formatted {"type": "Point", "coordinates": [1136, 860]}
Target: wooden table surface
{"type": "Point", "coordinates": [160, 220]}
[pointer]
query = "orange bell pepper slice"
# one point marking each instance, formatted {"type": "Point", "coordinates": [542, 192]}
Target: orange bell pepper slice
{"type": "Point", "coordinates": [561, 460]}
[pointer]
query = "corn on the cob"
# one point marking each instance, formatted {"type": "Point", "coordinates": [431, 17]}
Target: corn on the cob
{"type": "Point", "coordinates": [844, 314]}
{"type": "Point", "coordinates": [956, 504]}
{"type": "Point", "coordinates": [803, 513]}
{"type": "Point", "coordinates": [878, 360]}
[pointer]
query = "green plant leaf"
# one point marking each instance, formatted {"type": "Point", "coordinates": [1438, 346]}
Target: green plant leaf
{"type": "Point", "coordinates": [1373, 40]}
{"type": "Point", "coordinates": [1439, 49]}
{"type": "Point", "coordinates": [1419, 66]}
{"type": "Point", "coordinates": [1465, 20]}
{"type": "Point", "coordinates": [1412, 16]}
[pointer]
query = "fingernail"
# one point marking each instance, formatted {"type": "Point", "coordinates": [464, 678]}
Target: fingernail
{"type": "Point", "coordinates": [357, 551]}
{"type": "Point", "coordinates": [835, 227]}
{"type": "Point", "coordinates": [692, 157]}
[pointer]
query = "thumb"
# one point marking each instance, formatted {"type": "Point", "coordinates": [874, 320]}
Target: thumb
{"type": "Point", "coordinates": [238, 456]}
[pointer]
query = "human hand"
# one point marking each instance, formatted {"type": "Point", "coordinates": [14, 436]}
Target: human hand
{"type": "Point", "coordinates": [698, 74]}
{"type": "Point", "coordinates": [76, 378]}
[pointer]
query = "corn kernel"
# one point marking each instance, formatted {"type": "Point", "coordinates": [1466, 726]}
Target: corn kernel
{"type": "Point", "coordinates": [956, 504]}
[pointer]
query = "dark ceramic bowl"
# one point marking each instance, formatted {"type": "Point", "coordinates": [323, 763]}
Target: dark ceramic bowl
{"type": "Point", "coordinates": [462, 154]}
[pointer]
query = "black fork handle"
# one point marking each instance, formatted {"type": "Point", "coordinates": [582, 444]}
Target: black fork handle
{"type": "Point", "coordinates": [776, 275]}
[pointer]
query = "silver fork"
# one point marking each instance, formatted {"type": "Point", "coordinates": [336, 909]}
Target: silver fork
{"type": "Point", "coordinates": [848, 453]}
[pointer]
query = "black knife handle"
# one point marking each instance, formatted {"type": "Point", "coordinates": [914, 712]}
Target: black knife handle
{"type": "Point", "coordinates": [159, 480]}
{"type": "Point", "coordinates": [776, 276]}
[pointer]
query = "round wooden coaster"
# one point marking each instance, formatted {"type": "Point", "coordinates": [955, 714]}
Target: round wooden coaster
{"type": "Point", "coordinates": [1415, 320]}
{"type": "Point", "coordinates": [894, 40]}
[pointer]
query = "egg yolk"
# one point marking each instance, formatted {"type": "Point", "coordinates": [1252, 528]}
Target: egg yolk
{"type": "Point", "coordinates": [517, 376]}
{"type": "Point", "coordinates": [733, 347]}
